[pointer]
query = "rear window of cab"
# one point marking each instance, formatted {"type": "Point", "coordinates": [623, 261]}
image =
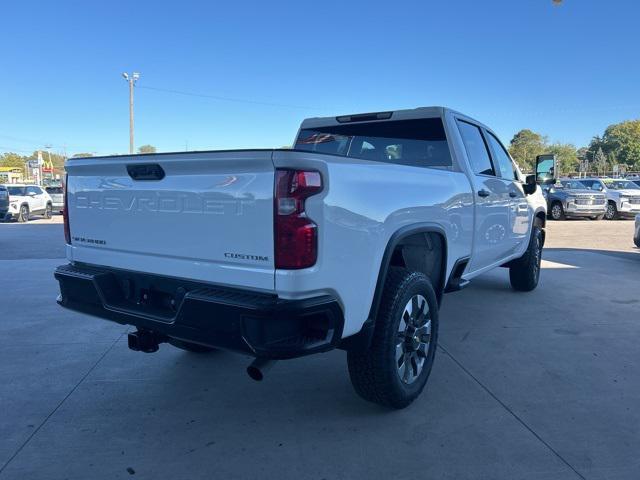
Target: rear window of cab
{"type": "Point", "coordinates": [417, 142]}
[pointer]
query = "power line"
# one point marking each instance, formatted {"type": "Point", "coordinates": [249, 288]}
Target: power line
{"type": "Point", "coordinates": [11, 149]}
{"type": "Point", "coordinates": [228, 99]}
{"type": "Point", "coordinates": [40, 143]}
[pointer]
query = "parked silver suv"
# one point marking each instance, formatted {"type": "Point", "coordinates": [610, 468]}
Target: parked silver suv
{"type": "Point", "coordinates": [57, 197]}
{"type": "Point", "coordinates": [571, 198]}
{"type": "Point", "coordinates": [623, 196]}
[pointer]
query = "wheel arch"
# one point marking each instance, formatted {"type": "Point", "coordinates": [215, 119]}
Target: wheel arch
{"type": "Point", "coordinates": [540, 220]}
{"type": "Point", "coordinates": [406, 238]}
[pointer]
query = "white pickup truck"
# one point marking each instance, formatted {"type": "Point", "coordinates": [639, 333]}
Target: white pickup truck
{"type": "Point", "coordinates": [348, 240]}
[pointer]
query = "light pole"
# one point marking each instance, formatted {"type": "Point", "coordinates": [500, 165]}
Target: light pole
{"type": "Point", "coordinates": [131, 79]}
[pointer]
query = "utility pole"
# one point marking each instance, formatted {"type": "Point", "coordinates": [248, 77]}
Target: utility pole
{"type": "Point", "coordinates": [131, 79]}
{"type": "Point", "coordinates": [48, 147]}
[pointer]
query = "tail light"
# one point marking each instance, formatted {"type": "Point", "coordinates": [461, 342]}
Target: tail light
{"type": "Point", "coordinates": [296, 235]}
{"type": "Point", "coordinates": [65, 213]}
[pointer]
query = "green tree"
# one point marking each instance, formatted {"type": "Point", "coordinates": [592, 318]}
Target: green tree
{"type": "Point", "coordinates": [583, 157]}
{"type": "Point", "coordinates": [622, 140]}
{"type": "Point", "coordinates": [525, 146]}
{"type": "Point", "coordinates": [14, 160]}
{"type": "Point", "coordinates": [566, 157]}
{"type": "Point", "coordinates": [147, 149]}
{"type": "Point", "coordinates": [600, 161]}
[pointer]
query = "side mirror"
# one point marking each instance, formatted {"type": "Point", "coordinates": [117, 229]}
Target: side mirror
{"type": "Point", "coordinates": [530, 185]}
{"type": "Point", "coordinates": [546, 169]}
{"type": "Point", "coordinates": [32, 194]}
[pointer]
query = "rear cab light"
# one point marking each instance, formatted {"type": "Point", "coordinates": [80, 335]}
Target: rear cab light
{"type": "Point", "coordinates": [295, 234]}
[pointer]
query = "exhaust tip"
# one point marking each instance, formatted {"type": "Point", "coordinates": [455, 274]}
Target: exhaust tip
{"type": "Point", "coordinates": [255, 373]}
{"type": "Point", "coordinates": [259, 367]}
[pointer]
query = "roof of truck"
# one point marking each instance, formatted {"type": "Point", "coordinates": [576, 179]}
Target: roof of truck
{"type": "Point", "coordinates": [407, 114]}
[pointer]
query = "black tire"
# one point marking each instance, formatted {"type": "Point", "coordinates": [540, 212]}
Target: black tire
{"type": "Point", "coordinates": [23, 214]}
{"type": "Point", "coordinates": [48, 211]}
{"type": "Point", "coordinates": [557, 212]}
{"type": "Point", "coordinates": [612, 211]}
{"type": "Point", "coordinates": [190, 347]}
{"type": "Point", "coordinates": [375, 373]}
{"type": "Point", "coordinates": [524, 273]}
{"type": "Point", "coordinates": [636, 241]}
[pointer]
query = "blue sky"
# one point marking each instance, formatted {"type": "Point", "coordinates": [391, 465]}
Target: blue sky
{"type": "Point", "coordinates": [566, 71]}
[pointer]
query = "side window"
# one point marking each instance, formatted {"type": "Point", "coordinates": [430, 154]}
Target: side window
{"type": "Point", "coordinates": [476, 149]}
{"type": "Point", "coordinates": [504, 163]}
{"type": "Point", "coordinates": [31, 190]}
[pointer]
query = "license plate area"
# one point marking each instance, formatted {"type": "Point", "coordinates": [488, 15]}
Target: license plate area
{"type": "Point", "coordinates": [137, 294]}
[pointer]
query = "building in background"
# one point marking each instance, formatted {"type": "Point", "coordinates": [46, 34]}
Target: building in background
{"type": "Point", "coordinates": [11, 175]}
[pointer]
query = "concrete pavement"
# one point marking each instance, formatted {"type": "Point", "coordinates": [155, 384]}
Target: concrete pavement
{"type": "Point", "coordinates": [541, 385]}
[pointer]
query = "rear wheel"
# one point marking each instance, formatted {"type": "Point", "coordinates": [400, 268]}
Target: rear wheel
{"type": "Point", "coordinates": [395, 369]}
{"type": "Point", "coordinates": [190, 347]}
{"type": "Point", "coordinates": [23, 214]}
{"type": "Point", "coordinates": [557, 212]}
{"type": "Point", "coordinates": [47, 211]}
{"type": "Point", "coordinates": [524, 273]}
{"type": "Point", "coordinates": [612, 211]}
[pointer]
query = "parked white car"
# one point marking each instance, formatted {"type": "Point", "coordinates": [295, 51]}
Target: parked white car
{"type": "Point", "coordinates": [27, 200]}
{"type": "Point", "coordinates": [349, 240]}
{"type": "Point", "coordinates": [623, 196]}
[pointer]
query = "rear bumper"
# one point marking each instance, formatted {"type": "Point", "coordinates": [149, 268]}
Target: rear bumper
{"type": "Point", "coordinates": [258, 324]}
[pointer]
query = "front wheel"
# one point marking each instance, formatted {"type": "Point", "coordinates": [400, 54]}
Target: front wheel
{"type": "Point", "coordinates": [557, 212]}
{"type": "Point", "coordinates": [395, 368]}
{"type": "Point", "coordinates": [524, 273]}
{"type": "Point", "coordinates": [612, 211]}
{"type": "Point", "coordinates": [23, 214]}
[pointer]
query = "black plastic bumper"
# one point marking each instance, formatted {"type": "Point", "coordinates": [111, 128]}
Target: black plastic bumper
{"type": "Point", "coordinates": [258, 324]}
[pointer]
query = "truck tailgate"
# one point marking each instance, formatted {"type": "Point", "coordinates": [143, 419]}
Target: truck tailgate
{"type": "Point", "coordinates": [204, 215]}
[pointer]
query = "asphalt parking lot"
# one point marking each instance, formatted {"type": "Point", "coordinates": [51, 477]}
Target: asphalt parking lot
{"type": "Point", "coordinates": [540, 385]}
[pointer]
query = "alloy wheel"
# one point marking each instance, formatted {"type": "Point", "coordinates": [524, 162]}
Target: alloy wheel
{"type": "Point", "coordinates": [414, 339]}
{"type": "Point", "coordinates": [611, 212]}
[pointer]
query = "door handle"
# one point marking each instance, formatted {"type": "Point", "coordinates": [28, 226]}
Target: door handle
{"type": "Point", "coordinates": [513, 194]}
{"type": "Point", "coordinates": [483, 193]}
